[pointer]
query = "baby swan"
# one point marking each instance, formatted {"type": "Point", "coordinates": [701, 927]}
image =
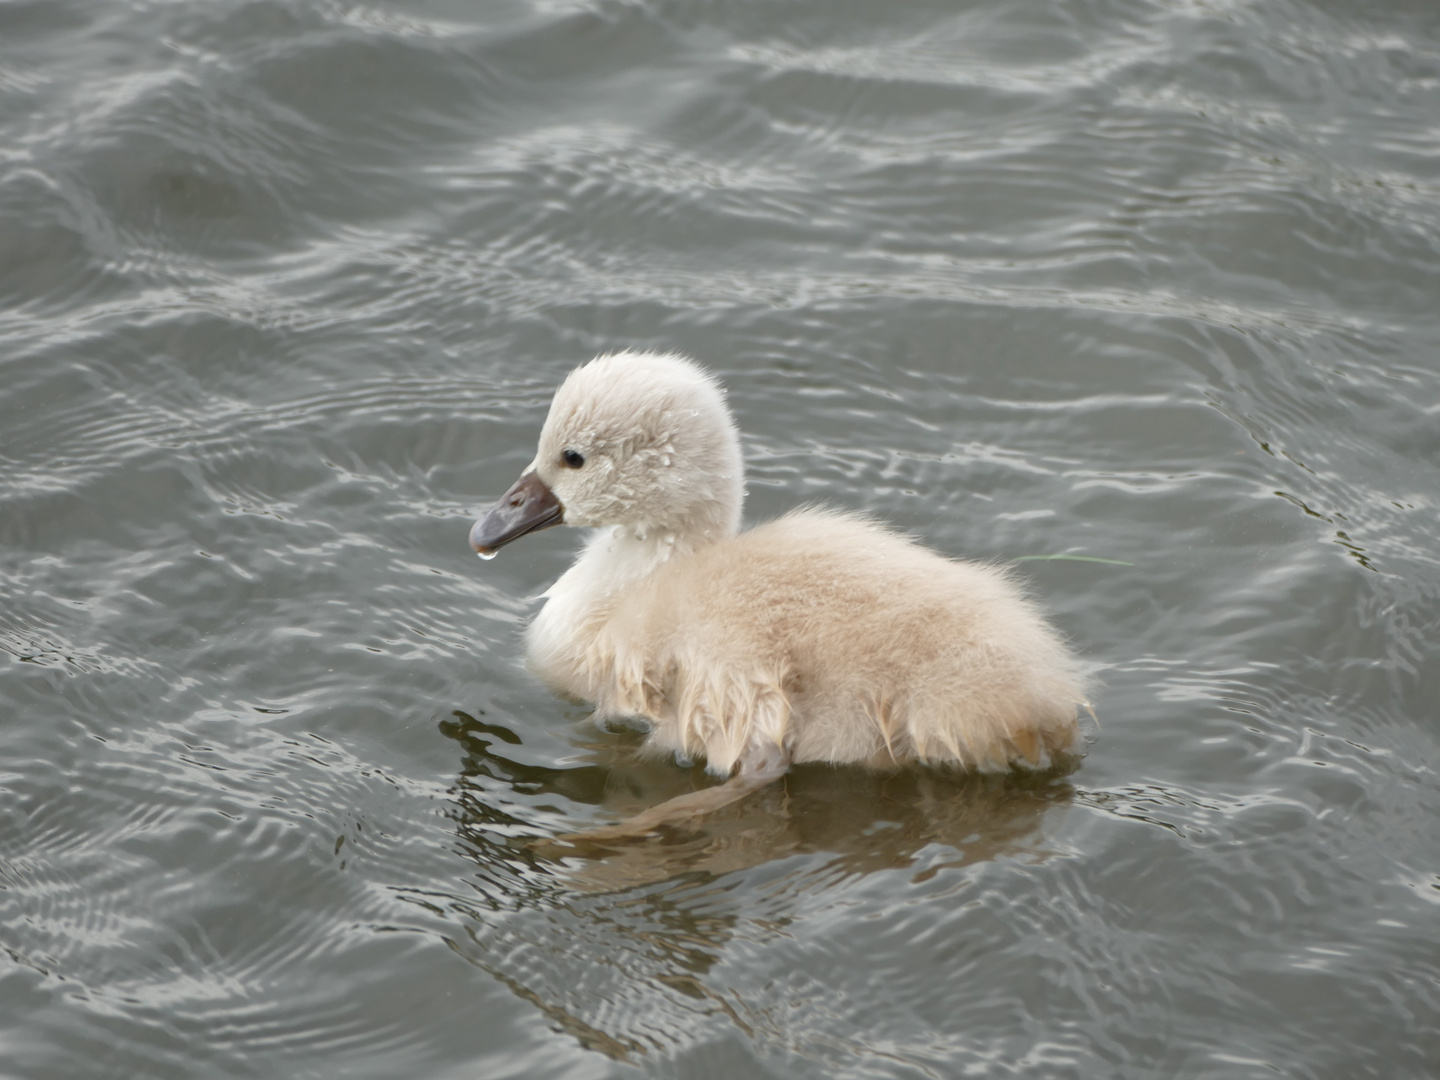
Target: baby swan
{"type": "Point", "coordinates": [820, 636]}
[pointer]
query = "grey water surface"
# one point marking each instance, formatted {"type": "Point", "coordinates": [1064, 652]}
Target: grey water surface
{"type": "Point", "coordinates": [285, 286]}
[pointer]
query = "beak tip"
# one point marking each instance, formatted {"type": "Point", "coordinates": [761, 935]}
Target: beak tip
{"type": "Point", "coordinates": [481, 543]}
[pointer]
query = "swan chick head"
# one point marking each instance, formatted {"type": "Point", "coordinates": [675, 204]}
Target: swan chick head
{"type": "Point", "coordinates": [642, 441]}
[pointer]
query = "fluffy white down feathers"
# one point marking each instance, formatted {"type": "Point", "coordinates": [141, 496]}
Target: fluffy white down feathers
{"type": "Point", "coordinates": [820, 636]}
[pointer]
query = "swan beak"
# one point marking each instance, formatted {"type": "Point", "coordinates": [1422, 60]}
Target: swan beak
{"type": "Point", "coordinates": [527, 507]}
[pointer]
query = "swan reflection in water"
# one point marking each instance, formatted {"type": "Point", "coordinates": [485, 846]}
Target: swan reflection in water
{"type": "Point", "coordinates": [867, 820]}
{"type": "Point", "coordinates": [621, 945]}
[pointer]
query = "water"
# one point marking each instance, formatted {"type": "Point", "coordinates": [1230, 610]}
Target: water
{"type": "Point", "coordinates": [285, 286]}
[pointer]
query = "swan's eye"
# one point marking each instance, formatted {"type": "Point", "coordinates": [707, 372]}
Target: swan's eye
{"type": "Point", "coordinates": [573, 458]}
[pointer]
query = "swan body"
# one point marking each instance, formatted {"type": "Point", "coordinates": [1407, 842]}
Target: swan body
{"type": "Point", "coordinates": [820, 636]}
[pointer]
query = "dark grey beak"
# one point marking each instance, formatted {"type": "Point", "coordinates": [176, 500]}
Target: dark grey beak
{"type": "Point", "coordinates": [527, 507]}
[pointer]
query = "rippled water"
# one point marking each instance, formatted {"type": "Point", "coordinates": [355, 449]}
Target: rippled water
{"type": "Point", "coordinates": [284, 288]}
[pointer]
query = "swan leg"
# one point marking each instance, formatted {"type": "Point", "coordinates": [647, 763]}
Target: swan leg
{"type": "Point", "coordinates": [759, 766]}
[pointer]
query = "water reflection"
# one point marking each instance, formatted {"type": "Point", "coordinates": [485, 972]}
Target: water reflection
{"type": "Point", "coordinates": [867, 821]}
{"type": "Point", "coordinates": [619, 946]}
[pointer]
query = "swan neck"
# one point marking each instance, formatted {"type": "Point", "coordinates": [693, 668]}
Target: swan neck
{"type": "Point", "coordinates": [622, 554]}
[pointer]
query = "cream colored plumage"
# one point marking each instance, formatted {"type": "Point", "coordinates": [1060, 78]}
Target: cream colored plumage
{"type": "Point", "coordinates": [820, 636]}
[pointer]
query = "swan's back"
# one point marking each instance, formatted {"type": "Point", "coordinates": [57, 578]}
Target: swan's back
{"type": "Point", "coordinates": [844, 641]}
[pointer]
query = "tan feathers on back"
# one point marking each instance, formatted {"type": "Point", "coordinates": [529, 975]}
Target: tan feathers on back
{"type": "Point", "coordinates": [838, 638]}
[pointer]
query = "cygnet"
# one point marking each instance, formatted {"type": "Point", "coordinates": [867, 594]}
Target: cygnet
{"type": "Point", "coordinates": [821, 636]}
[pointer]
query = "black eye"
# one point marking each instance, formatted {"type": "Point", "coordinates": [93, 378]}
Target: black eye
{"type": "Point", "coordinates": [573, 458]}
